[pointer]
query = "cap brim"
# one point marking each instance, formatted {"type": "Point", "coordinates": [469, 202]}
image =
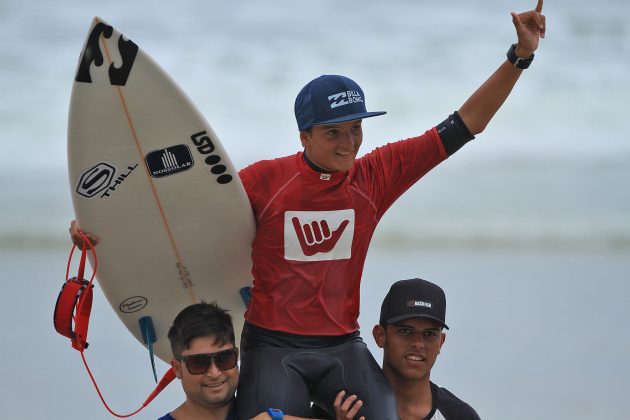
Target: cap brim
{"type": "Point", "coordinates": [351, 117]}
{"type": "Point", "coordinates": [407, 316]}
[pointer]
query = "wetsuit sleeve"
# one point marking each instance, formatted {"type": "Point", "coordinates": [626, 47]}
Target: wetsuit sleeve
{"type": "Point", "coordinates": [453, 133]}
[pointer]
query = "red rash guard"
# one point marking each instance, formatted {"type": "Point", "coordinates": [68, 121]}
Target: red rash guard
{"type": "Point", "coordinates": [314, 229]}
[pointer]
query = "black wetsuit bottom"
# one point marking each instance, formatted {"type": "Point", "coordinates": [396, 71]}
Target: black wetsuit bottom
{"type": "Point", "coordinates": [288, 371]}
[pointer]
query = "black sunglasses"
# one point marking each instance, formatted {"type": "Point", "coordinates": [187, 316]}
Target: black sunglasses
{"type": "Point", "coordinates": [198, 364]}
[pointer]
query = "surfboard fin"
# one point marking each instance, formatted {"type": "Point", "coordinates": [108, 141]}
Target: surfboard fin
{"type": "Point", "coordinates": [148, 335]}
{"type": "Point", "coordinates": [246, 294]}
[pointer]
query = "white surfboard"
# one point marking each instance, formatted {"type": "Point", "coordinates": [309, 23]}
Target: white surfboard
{"type": "Point", "coordinates": [150, 178]}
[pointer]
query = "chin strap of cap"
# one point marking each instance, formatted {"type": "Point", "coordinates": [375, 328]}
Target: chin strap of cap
{"type": "Point", "coordinates": [74, 305]}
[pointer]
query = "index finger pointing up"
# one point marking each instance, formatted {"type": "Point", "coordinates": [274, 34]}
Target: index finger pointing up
{"type": "Point", "coordinates": [539, 6]}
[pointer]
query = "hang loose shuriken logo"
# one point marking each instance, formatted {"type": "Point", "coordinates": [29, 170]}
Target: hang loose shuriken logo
{"type": "Point", "coordinates": [318, 236]}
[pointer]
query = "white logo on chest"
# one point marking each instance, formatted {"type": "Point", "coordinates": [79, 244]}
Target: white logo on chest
{"type": "Point", "coordinates": [318, 235]}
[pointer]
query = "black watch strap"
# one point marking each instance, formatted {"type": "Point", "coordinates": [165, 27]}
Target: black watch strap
{"type": "Point", "coordinates": [518, 62]}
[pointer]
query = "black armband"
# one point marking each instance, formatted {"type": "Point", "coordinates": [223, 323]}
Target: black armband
{"type": "Point", "coordinates": [453, 133]}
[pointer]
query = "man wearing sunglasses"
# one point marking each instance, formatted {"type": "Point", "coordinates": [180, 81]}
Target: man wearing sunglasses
{"type": "Point", "coordinates": [205, 360]}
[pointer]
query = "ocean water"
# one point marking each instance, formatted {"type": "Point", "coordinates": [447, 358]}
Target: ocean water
{"type": "Point", "coordinates": [527, 228]}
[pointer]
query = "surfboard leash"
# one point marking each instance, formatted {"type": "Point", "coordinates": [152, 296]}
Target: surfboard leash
{"type": "Point", "coordinates": [74, 303]}
{"type": "Point", "coordinates": [74, 306]}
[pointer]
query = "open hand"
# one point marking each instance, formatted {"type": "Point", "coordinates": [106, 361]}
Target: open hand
{"type": "Point", "coordinates": [348, 408]}
{"type": "Point", "coordinates": [530, 27]}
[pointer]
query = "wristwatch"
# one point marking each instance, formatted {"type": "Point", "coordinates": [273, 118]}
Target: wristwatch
{"type": "Point", "coordinates": [518, 62]}
{"type": "Point", "coordinates": [275, 413]}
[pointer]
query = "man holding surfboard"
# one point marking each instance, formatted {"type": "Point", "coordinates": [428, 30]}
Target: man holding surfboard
{"type": "Point", "coordinates": [315, 213]}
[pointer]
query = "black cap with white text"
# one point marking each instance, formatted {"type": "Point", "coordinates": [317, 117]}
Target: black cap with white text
{"type": "Point", "coordinates": [414, 298]}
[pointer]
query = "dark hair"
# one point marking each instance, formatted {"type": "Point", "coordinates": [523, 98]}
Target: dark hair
{"type": "Point", "coordinates": [200, 320]}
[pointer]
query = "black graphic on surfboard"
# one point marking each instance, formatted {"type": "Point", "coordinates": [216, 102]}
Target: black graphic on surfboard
{"type": "Point", "coordinates": [169, 161]}
{"type": "Point", "coordinates": [100, 178]}
{"type": "Point", "coordinates": [96, 179]}
{"type": "Point", "coordinates": [206, 148]}
{"type": "Point", "coordinates": [92, 54]}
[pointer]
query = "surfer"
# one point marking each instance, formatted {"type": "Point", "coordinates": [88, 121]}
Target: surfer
{"type": "Point", "coordinates": [316, 212]}
{"type": "Point", "coordinates": [205, 360]}
{"type": "Point", "coordinates": [411, 333]}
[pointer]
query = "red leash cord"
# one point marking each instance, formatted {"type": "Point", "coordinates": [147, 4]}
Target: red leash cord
{"type": "Point", "coordinates": [166, 379]}
{"type": "Point", "coordinates": [74, 305]}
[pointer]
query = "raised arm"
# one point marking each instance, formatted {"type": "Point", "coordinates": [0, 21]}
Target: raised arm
{"type": "Point", "coordinates": [479, 109]}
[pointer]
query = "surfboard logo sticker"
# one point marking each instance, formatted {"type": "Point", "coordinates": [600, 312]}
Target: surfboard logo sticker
{"type": "Point", "coordinates": [205, 147]}
{"type": "Point", "coordinates": [96, 179]}
{"type": "Point", "coordinates": [169, 161]}
{"type": "Point", "coordinates": [117, 74]}
{"type": "Point", "coordinates": [318, 235]}
{"type": "Point", "coordinates": [133, 304]}
{"type": "Point", "coordinates": [99, 180]}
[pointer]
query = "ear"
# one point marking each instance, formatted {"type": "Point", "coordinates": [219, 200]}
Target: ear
{"type": "Point", "coordinates": [442, 340]}
{"type": "Point", "coordinates": [305, 138]}
{"type": "Point", "coordinates": [177, 367]}
{"type": "Point", "coordinates": [378, 332]}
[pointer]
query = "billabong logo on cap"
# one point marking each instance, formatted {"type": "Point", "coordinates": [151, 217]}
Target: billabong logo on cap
{"type": "Point", "coordinates": [418, 303]}
{"type": "Point", "coordinates": [344, 98]}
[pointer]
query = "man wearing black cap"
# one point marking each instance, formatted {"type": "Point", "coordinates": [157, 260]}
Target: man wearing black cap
{"type": "Point", "coordinates": [410, 328]}
{"type": "Point", "coordinates": [410, 332]}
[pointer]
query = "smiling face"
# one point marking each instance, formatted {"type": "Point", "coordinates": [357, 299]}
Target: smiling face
{"type": "Point", "coordinates": [410, 348]}
{"type": "Point", "coordinates": [333, 147]}
{"type": "Point", "coordinates": [213, 389]}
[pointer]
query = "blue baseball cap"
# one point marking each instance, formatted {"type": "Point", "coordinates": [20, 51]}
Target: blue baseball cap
{"type": "Point", "coordinates": [330, 99]}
